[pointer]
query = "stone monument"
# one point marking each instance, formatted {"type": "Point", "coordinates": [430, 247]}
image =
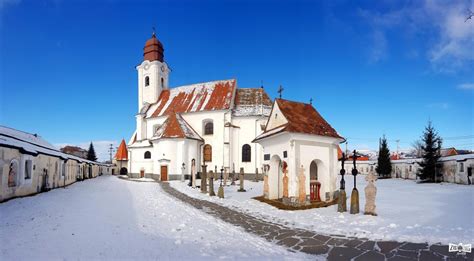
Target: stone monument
{"type": "Point", "coordinates": [301, 186]}
{"type": "Point", "coordinates": [211, 183]}
{"type": "Point", "coordinates": [193, 172]}
{"type": "Point", "coordinates": [226, 176]}
{"type": "Point", "coordinates": [241, 179]}
{"type": "Point", "coordinates": [204, 179]}
{"type": "Point", "coordinates": [233, 177]}
{"type": "Point", "coordinates": [370, 193]}
{"type": "Point", "coordinates": [355, 192]}
{"type": "Point", "coordinates": [256, 175]}
{"type": "Point", "coordinates": [285, 183]}
{"type": "Point", "coordinates": [265, 181]}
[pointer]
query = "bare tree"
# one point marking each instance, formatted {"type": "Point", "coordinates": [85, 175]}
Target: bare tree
{"type": "Point", "coordinates": [417, 148]}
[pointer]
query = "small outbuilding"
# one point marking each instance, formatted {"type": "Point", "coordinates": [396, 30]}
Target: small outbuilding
{"type": "Point", "coordinates": [300, 154]}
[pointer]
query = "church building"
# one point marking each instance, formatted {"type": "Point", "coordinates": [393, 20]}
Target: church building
{"type": "Point", "coordinates": [228, 128]}
{"type": "Point", "coordinates": [212, 123]}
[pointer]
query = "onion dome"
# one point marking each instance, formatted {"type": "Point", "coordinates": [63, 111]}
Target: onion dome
{"type": "Point", "coordinates": [153, 50]}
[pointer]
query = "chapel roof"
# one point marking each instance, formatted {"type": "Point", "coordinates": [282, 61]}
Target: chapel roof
{"type": "Point", "coordinates": [176, 127]}
{"type": "Point", "coordinates": [208, 96]}
{"type": "Point", "coordinates": [302, 118]}
{"type": "Point", "coordinates": [122, 153]}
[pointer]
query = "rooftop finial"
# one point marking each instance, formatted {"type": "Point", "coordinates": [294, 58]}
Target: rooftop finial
{"type": "Point", "coordinates": [154, 31]}
{"type": "Point", "coordinates": [280, 90]}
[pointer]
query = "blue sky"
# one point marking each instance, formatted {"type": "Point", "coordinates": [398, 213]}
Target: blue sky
{"type": "Point", "coordinates": [371, 67]}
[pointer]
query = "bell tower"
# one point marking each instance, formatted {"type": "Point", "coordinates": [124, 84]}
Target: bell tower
{"type": "Point", "coordinates": [152, 73]}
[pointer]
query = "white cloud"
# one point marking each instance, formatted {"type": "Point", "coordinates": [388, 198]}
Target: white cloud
{"type": "Point", "coordinates": [448, 37]}
{"type": "Point", "coordinates": [466, 86]}
{"type": "Point", "coordinates": [101, 147]}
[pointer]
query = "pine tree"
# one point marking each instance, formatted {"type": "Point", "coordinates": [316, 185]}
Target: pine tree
{"type": "Point", "coordinates": [431, 152]}
{"type": "Point", "coordinates": [91, 153]}
{"type": "Point", "coordinates": [384, 165]}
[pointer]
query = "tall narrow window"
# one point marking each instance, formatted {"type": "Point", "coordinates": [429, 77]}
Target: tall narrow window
{"type": "Point", "coordinates": [147, 155]}
{"type": "Point", "coordinates": [207, 153]}
{"type": "Point", "coordinates": [28, 165]}
{"type": "Point", "coordinates": [246, 153]}
{"type": "Point", "coordinates": [461, 167]}
{"type": "Point", "coordinates": [162, 83]}
{"type": "Point", "coordinates": [208, 128]}
{"type": "Point", "coordinates": [147, 81]}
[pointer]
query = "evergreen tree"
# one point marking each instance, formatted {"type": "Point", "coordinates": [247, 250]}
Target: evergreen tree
{"type": "Point", "coordinates": [384, 165]}
{"type": "Point", "coordinates": [91, 153]}
{"type": "Point", "coordinates": [431, 152]}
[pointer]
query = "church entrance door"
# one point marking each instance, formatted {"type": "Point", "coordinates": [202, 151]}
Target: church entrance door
{"type": "Point", "coordinates": [164, 173]}
{"type": "Point", "coordinates": [142, 173]}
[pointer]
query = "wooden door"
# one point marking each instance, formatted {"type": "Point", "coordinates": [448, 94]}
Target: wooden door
{"type": "Point", "coordinates": [142, 173]}
{"type": "Point", "coordinates": [164, 173]}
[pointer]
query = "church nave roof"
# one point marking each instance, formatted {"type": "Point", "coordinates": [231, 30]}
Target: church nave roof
{"type": "Point", "coordinates": [176, 127]}
{"type": "Point", "coordinates": [209, 96]}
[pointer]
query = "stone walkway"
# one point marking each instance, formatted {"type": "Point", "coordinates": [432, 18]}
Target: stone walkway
{"type": "Point", "coordinates": [332, 247]}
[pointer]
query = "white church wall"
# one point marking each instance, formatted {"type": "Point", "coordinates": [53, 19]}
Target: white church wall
{"type": "Point", "coordinates": [249, 129]}
{"type": "Point", "coordinates": [139, 162]}
{"type": "Point", "coordinates": [276, 118]}
{"type": "Point", "coordinates": [216, 140]}
{"type": "Point", "coordinates": [155, 70]}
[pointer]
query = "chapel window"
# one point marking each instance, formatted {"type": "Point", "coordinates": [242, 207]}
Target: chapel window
{"type": "Point", "coordinates": [246, 153]}
{"type": "Point", "coordinates": [147, 81]}
{"type": "Point", "coordinates": [147, 155]}
{"type": "Point", "coordinates": [208, 128]}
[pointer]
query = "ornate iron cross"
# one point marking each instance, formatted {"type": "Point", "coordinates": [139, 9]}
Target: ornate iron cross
{"type": "Point", "coordinates": [280, 90]}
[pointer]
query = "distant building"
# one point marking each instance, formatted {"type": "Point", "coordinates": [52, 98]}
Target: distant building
{"type": "Point", "coordinates": [76, 151]}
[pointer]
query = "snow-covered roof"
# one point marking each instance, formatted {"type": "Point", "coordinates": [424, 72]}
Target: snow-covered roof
{"type": "Point", "coordinates": [33, 144]}
{"type": "Point", "coordinates": [209, 96]}
{"type": "Point", "coordinates": [176, 127]}
{"type": "Point", "coordinates": [252, 102]}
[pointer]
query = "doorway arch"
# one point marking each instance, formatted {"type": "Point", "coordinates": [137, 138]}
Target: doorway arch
{"type": "Point", "coordinates": [275, 178]}
{"type": "Point", "coordinates": [319, 180]}
{"type": "Point", "coordinates": [123, 171]}
{"type": "Point", "coordinates": [313, 171]}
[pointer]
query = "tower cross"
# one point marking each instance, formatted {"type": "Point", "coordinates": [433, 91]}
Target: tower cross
{"type": "Point", "coordinates": [280, 90]}
{"type": "Point", "coordinates": [311, 101]}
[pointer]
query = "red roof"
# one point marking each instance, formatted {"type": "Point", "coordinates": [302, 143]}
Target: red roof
{"type": "Point", "coordinates": [339, 153]}
{"type": "Point", "coordinates": [153, 50]}
{"type": "Point", "coordinates": [208, 96]}
{"type": "Point", "coordinates": [302, 118]}
{"type": "Point", "coordinates": [122, 153]}
{"type": "Point", "coordinates": [176, 127]}
{"type": "Point", "coordinates": [394, 157]}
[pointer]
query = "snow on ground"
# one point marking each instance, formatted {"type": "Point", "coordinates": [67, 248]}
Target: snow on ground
{"type": "Point", "coordinates": [407, 211]}
{"type": "Point", "coordinates": [112, 218]}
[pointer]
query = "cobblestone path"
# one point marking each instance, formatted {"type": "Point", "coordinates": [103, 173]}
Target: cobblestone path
{"type": "Point", "coordinates": [332, 247]}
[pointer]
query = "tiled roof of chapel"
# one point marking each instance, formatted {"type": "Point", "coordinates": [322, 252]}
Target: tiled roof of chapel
{"type": "Point", "coordinates": [302, 118]}
{"type": "Point", "coordinates": [122, 153]}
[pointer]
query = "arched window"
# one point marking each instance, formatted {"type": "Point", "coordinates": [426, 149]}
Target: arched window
{"type": "Point", "coordinates": [208, 128]}
{"type": "Point", "coordinates": [12, 173]}
{"type": "Point", "coordinates": [246, 153]}
{"type": "Point", "coordinates": [147, 81]}
{"type": "Point", "coordinates": [207, 153]}
{"type": "Point", "coordinates": [147, 155]}
{"type": "Point", "coordinates": [162, 83]}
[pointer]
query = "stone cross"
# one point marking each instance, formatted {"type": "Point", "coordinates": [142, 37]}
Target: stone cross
{"type": "Point", "coordinates": [256, 175]}
{"type": "Point", "coordinates": [370, 193]}
{"type": "Point", "coordinates": [241, 179]}
{"type": "Point", "coordinates": [355, 192]}
{"type": "Point", "coordinates": [204, 179]}
{"type": "Point", "coordinates": [211, 183]}
{"type": "Point", "coordinates": [302, 186]}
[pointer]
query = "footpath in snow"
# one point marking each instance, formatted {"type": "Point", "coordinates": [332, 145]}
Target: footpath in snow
{"type": "Point", "coordinates": [111, 218]}
{"type": "Point", "coordinates": [432, 213]}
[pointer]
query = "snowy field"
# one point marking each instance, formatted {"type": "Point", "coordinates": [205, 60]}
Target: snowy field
{"type": "Point", "coordinates": [407, 211]}
{"type": "Point", "coordinates": [111, 218]}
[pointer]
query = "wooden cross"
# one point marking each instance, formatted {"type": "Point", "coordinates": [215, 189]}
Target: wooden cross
{"type": "Point", "coordinates": [280, 90]}
{"type": "Point", "coordinates": [153, 30]}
